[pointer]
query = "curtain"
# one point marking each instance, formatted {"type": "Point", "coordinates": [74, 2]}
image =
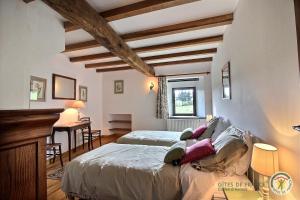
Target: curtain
{"type": "Point", "coordinates": [162, 99]}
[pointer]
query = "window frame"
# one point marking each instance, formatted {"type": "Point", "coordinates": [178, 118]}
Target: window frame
{"type": "Point", "coordinates": [194, 102]}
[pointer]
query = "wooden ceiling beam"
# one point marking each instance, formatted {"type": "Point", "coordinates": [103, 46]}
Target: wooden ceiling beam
{"type": "Point", "coordinates": [174, 45]}
{"type": "Point", "coordinates": [113, 69]}
{"type": "Point", "coordinates": [161, 31]}
{"type": "Point", "coordinates": [181, 62]}
{"type": "Point", "coordinates": [153, 58]}
{"type": "Point", "coordinates": [138, 8]}
{"type": "Point", "coordinates": [81, 13]}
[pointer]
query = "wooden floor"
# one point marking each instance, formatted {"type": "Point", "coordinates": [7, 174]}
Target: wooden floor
{"type": "Point", "coordinates": [53, 186]}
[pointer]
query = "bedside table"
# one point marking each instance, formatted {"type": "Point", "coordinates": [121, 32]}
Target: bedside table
{"type": "Point", "coordinates": [245, 195]}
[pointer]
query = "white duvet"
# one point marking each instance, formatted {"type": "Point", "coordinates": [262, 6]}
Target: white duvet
{"type": "Point", "coordinates": [122, 171]}
{"type": "Point", "coordinates": [155, 138]}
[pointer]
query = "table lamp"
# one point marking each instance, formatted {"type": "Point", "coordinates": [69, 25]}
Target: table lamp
{"type": "Point", "coordinates": [77, 105]}
{"type": "Point", "coordinates": [265, 162]}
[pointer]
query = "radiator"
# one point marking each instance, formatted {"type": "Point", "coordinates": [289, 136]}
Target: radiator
{"type": "Point", "coordinates": [181, 124]}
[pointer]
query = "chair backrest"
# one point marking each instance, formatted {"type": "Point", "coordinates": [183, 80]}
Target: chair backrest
{"type": "Point", "coordinates": [85, 119]}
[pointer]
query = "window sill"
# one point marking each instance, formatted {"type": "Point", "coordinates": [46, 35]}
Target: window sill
{"type": "Point", "coordinates": [185, 117]}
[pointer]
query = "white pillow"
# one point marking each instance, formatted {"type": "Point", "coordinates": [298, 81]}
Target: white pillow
{"type": "Point", "coordinates": [222, 125]}
{"type": "Point", "coordinates": [241, 166]}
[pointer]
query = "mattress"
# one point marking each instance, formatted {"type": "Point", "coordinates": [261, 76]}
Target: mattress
{"type": "Point", "coordinates": [122, 171]}
{"type": "Point", "coordinates": [155, 138]}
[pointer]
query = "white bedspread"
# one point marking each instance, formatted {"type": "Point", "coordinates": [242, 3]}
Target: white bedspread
{"type": "Point", "coordinates": [155, 138]}
{"type": "Point", "coordinates": [122, 171]}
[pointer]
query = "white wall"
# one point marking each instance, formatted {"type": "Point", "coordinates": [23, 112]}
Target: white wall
{"type": "Point", "coordinates": [261, 45]}
{"type": "Point", "coordinates": [31, 38]}
{"type": "Point", "coordinates": [203, 91]}
{"type": "Point", "coordinates": [137, 100]}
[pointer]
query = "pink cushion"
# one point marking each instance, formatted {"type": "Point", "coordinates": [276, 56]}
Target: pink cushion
{"type": "Point", "coordinates": [198, 132]}
{"type": "Point", "coordinates": [198, 151]}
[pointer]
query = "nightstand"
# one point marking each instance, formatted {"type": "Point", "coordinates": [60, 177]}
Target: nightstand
{"type": "Point", "coordinates": [245, 195]}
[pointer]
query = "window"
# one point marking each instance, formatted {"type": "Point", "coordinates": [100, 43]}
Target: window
{"type": "Point", "coordinates": [184, 101]}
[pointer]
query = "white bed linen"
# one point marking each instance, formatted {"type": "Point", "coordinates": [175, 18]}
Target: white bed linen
{"type": "Point", "coordinates": [122, 172]}
{"type": "Point", "coordinates": [155, 138]}
{"type": "Point", "coordinates": [199, 185]}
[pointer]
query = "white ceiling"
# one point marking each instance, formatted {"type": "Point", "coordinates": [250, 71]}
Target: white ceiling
{"type": "Point", "coordinates": [183, 13]}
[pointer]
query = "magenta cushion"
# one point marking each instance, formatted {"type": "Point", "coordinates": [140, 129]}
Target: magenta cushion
{"type": "Point", "coordinates": [198, 132]}
{"type": "Point", "coordinates": [198, 151]}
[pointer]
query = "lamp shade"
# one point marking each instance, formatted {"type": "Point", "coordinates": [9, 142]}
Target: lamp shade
{"type": "Point", "coordinates": [264, 159]}
{"type": "Point", "coordinates": [209, 117]}
{"type": "Point", "coordinates": [77, 104]}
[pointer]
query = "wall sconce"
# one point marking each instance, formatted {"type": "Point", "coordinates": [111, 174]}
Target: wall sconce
{"type": "Point", "coordinates": [151, 85]}
{"type": "Point", "coordinates": [297, 128]}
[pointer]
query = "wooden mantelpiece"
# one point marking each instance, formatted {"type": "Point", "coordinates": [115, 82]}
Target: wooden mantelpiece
{"type": "Point", "coordinates": [22, 152]}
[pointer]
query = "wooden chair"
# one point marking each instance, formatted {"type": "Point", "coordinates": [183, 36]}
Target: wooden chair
{"type": "Point", "coordinates": [53, 150]}
{"type": "Point", "coordinates": [94, 133]}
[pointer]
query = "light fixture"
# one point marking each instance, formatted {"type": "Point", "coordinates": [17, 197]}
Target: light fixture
{"type": "Point", "coordinates": [297, 128]}
{"type": "Point", "coordinates": [151, 85]}
{"type": "Point", "coordinates": [265, 162]}
{"type": "Point", "coordinates": [77, 105]}
{"type": "Point", "coordinates": [208, 118]}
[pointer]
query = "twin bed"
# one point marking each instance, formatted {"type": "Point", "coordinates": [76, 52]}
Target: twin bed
{"type": "Point", "coordinates": [134, 168]}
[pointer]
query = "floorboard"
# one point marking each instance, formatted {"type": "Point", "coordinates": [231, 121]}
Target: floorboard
{"type": "Point", "coordinates": [53, 186]}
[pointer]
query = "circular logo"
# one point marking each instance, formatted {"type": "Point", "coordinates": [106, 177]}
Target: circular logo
{"type": "Point", "coordinates": [281, 183]}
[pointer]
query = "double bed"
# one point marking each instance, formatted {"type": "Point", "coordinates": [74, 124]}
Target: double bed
{"type": "Point", "coordinates": [136, 171]}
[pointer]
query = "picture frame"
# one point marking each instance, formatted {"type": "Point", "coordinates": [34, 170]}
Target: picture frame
{"type": "Point", "coordinates": [83, 93]}
{"type": "Point", "coordinates": [63, 87]}
{"type": "Point", "coordinates": [119, 87]}
{"type": "Point", "coordinates": [38, 87]}
{"type": "Point", "coordinates": [226, 81]}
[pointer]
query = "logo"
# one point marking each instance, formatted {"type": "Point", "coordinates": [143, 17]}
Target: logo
{"type": "Point", "coordinates": [281, 183]}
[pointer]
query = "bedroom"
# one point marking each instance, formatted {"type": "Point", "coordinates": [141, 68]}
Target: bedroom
{"type": "Point", "coordinates": [260, 43]}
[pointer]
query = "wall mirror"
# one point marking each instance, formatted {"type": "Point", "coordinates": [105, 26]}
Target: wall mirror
{"type": "Point", "coordinates": [63, 87]}
{"type": "Point", "coordinates": [226, 81]}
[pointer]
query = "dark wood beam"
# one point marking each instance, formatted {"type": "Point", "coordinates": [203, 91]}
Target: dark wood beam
{"type": "Point", "coordinates": [28, 1]}
{"type": "Point", "coordinates": [180, 28]}
{"type": "Point", "coordinates": [184, 74]}
{"type": "Point", "coordinates": [175, 45]}
{"type": "Point", "coordinates": [181, 62]}
{"type": "Point", "coordinates": [161, 31]}
{"type": "Point", "coordinates": [113, 69]}
{"type": "Point", "coordinates": [160, 47]}
{"type": "Point", "coordinates": [297, 15]}
{"type": "Point", "coordinates": [132, 10]}
{"type": "Point", "coordinates": [152, 58]}
{"type": "Point", "coordinates": [81, 13]}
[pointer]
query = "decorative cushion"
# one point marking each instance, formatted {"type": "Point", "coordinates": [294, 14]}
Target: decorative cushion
{"type": "Point", "coordinates": [198, 151]}
{"type": "Point", "coordinates": [198, 132]}
{"type": "Point", "coordinates": [186, 134]}
{"type": "Point", "coordinates": [230, 147]}
{"type": "Point", "coordinates": [222, 125]}
{"type": "Point", "coordinates": [241, 166]}
{"type": "Point", "coordinates": [176, 152]}
{"type": "Point", "coordinates": [210, 129]}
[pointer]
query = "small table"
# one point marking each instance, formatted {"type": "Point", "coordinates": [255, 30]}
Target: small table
{"type": "Point", "coordinates": [69, 128]}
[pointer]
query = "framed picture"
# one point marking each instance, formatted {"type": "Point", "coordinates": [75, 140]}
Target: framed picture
{"type": "Point", "coordinates": [119, 87]}
{"type": "Point", "coordinates": [38, 88]}
{"type": "Point", "coordinates": [63, 87]}
{"type": "Point", "coordinates": [226, 81]}
{"type": "Point", "coordinates": [83, 92]}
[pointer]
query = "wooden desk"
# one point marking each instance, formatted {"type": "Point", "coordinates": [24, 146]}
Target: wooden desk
{"type": "Point", "coordinates": [69, 128]}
